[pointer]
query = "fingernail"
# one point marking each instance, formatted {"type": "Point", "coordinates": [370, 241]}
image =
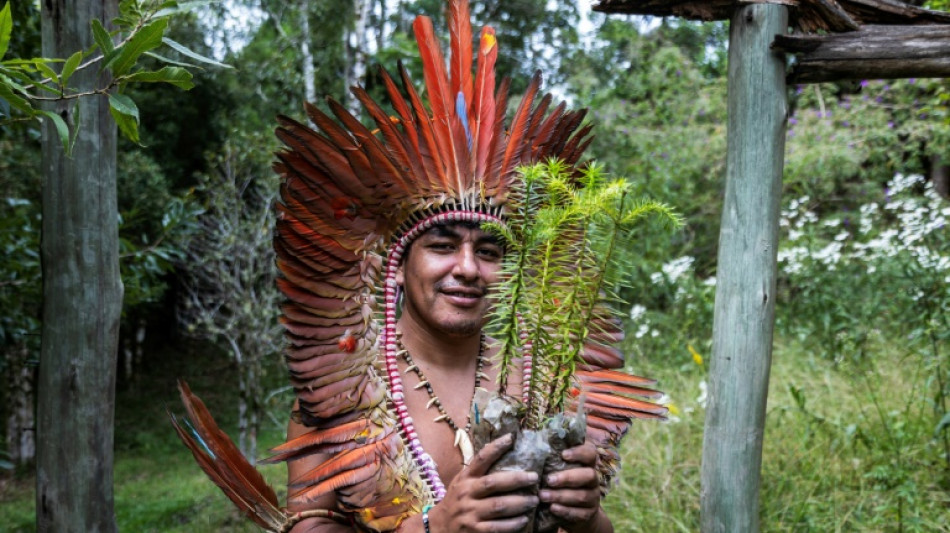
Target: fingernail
{"type": "Point", "coordinates": [506, 439]}
{"type": "Point", "coordinates": [532, 477]}
{"type": "Point", "coordinates": [545, 495]}
{"type": "Point", "coordinates": [552, 479]}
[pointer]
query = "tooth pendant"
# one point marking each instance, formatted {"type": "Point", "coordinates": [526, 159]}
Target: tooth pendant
{"type": "Point", "coordinates": [464, 443]}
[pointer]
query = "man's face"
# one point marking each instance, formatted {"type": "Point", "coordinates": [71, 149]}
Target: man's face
{"type": "Point", "coordinates": [446, 277]}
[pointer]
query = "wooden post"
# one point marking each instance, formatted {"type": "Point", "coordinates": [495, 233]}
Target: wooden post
{"type": "Point", "coordinates": [82, 293]}
{"type": "Point", "coordinates": [745, 295]}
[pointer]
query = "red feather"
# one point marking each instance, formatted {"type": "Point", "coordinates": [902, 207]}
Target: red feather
{"type": "Point", "coordinates": [519, 124]}
{"type": "Point", "coordinates": [483, 102]}
{"type": "Point", "coordinates": [226, 466]}
{"type": "Point", "coordinates": [460, 33]}
{"type": "Point", "coordinates": [429, 148]}
{"type": "Point", "coordinates": [444, 119]}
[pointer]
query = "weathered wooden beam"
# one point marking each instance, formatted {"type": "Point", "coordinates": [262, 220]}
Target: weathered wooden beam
{"type": "Point", "coordinates": [806, 15]}
{"type": "Point", "coordinates": [744, 317]}
{"type": "Point", "coordinates": [873, 52]}
{"type": "Point", "coordinates": [690, 9]}
{"type": "Point", "coordinates": [893, 12]}
{"type": "Point", "coordinates": [825, 14]}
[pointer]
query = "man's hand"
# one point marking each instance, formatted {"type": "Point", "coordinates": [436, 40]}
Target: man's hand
{"type": "Point", "coordinates": [480, 502]}
{"type": "Point", "coordinates": [574, 493]}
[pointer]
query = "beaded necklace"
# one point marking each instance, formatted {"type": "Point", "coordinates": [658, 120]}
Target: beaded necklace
{"type": "Point", "coordinates": [417, 226]}
{"type": "Point", "coordinates": [462, 439]}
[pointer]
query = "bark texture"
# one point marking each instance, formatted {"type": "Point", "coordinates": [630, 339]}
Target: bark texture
{"type": "Point", "coordinates": [874, 52]}
{"type": "Point", "coordinates": [82, 294]}
{"type": "Point", "coordinates": [744, 316]}
{"type": "Point", "coordinates": [805, 15]}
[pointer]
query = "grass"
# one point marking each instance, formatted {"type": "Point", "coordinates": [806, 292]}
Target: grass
{"type": "Point", "coordinates": [158, 486]}
{"type": "Point", "coordinates": [846, 449]}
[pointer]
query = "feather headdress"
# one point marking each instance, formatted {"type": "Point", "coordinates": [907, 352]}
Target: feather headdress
{"type": "Point", "coordinates": [352, 199]}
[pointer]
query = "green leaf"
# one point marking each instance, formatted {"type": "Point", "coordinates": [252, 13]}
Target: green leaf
{"type": "Point", "coordinates": [123, 104]}
{"type": "Point", "coordinates": [171, 61]}
{"type": "Point", "coordinates": [126, 115]}
{"type": "Point", "coordinates": [176, 76]}
{"type": "Point", "coordinates": [6, 28]}
{"type": "Point", "coordinates": [70, 67]}
{"type": "Point", "coordinates": [102, 37]}
{"type": "Point", "coordinates": [145, 39]}
{"type": "Point", "coordinates": [185, 51]}
{"type": "Point", "coordinates": [47, 71]}
{"type": "Point", "coordinates": [7, 94]}
{"type": "Point", "coordinates": [8, 75]}
{"type": "Point", "coordinates": [61, 128]}
{"type": "Point", "coordinates": [13, 74]}
{"type": "Point", "coordinates": [173, 8]}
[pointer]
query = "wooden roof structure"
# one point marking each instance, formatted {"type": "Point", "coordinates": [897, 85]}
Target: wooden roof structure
{"type": "Point", "coordinates": [833, 39]}
{"type": "Point", "coordinates": [806, 16]}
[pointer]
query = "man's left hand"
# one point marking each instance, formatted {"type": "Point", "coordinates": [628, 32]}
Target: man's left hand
{"type": "Point", "coordinates": [574, 493]}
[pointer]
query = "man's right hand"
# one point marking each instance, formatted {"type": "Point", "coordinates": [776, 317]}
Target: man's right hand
{"type": "Point", "coordinates": [477, 501]}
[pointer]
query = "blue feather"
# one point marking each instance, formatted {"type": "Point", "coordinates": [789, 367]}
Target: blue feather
{"type": "Point", "coordinates": [201, 441]}
{"type": "Point", "coordinates": [461, 109]}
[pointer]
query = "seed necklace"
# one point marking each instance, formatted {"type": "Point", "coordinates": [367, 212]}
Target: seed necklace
{"type": "Point", "coordinates": [462, 439]}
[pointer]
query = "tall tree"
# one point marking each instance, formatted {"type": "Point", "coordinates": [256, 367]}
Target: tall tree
{"type": "Point", "coordinates": [356, 41]}
{"type": "Point", "coordinates": [82, 292]}
{"type": "Point", "coordinates": [229, 270]}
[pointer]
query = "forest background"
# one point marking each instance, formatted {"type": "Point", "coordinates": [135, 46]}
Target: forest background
{"type": "Point", "coordinates": [858, 430]}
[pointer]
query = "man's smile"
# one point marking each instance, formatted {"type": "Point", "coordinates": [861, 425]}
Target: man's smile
{"type": "Point", "coordinates": [462, 296]}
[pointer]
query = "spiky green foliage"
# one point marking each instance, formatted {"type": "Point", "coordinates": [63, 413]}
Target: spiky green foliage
{"type": "Point", "coordinates": [561, 236]}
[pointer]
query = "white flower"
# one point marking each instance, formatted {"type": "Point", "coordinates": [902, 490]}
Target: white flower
{"type": "Point", "coordinates": [701, 399]}
{"type": "Point", "coordinates": [829, 255]}
{"type": "Point", "coordinates": [677, 267]}
{"type": "Point", "coordinates": [637, 312]}
{"type": "Point", "coordinates": [642, 330]}
{"type": "Point", "coordinates": [901, 183]}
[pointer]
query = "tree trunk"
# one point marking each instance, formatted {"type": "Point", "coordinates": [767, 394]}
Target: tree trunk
{"type": "Point", "coordinates": [744, 317]}
{"type": "Point", "coordinates": [254, 410]}
{"type": "Point", "coordinates": [306, 55]}
{"type": "Point", "coordinates": [82, 294]}
{"type": "Point", "coordinates": [355, 41]}
{"type": "Point", "coordinates": [21, 423]}
{"type": "Point", "coordinates": [381, 32]}
{"type": "Point", "coordinates": [940, 174]}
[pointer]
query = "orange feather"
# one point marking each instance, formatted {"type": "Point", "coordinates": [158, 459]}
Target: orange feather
{"type": "Point", "coordinates": [483, 101]}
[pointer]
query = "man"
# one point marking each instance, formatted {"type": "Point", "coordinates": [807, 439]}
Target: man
{"type": "Point", "coordinates": [445, 278]}
{"type": "Point", "coordinates": [379, 437]}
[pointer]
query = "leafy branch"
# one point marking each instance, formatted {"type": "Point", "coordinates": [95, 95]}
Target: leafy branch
{"type": "Point", "coordinates": [140, 29]}
{"type": "Point", "coordinates": [561, 238]}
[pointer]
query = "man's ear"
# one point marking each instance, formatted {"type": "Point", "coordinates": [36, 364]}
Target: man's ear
{"type": "Point", "coordinates": [400, 277]}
